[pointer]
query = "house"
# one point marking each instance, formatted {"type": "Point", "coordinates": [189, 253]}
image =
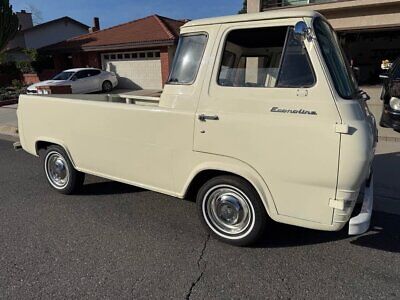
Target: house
{"type": "Point", "coordinates": [367, 29]}
{"type": "Point", "coordinates": [140, 52]}
{"type": "Point", "coordinates": [35, 37]}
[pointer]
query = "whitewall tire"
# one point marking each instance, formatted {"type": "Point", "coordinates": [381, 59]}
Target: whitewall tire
{"type": "Point", "coordinates": [59, 171]}
{"type": "Point", "coordinates": [231, 210]}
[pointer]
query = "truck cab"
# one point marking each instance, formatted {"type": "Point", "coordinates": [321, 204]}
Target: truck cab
{"type": "Point", "coordinates": [261, 117]}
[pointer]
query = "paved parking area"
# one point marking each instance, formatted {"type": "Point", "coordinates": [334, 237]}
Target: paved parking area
{"type": "Point", "coordinates": [118, 241]}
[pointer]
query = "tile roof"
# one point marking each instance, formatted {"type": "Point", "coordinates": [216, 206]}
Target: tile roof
{"type": "Point", "coordinates": [151, 29]}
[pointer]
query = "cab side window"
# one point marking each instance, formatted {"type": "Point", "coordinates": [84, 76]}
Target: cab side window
{"type": "Point", "coordinates": [257, 57]}
{"type": "Point", "coordinates": [188, 59]}
{"type": "Point", "coordinates": [296, 70]}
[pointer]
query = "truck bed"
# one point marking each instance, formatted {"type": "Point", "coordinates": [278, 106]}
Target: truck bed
{"type": "Point", "coordinates": [140, 97]}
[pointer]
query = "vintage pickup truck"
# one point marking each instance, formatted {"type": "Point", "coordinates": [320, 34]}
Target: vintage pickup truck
{"type": "Point", "coordinates": [260, 119]}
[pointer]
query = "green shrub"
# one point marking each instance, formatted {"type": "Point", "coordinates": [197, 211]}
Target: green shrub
{"type": "Point", "coordinates": [17, 84]}
{"type": "Point", "coordinates": [25, 67]}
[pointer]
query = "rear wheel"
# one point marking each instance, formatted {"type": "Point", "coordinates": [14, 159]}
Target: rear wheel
{"type": "Point", "coordinates": [107, 86]}
{"type": "Point", "coordinates": [231, 210]}
{"type": "Point", "coordinates": [60, 172]}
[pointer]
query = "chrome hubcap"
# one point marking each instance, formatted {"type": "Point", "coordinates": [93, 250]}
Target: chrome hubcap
{"type": "Point", "coordinates": [57, 170]}
{"type": "Point", "coordinates": [228, 210]}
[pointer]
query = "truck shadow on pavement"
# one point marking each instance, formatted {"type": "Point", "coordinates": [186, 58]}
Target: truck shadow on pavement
{"type": "Point", "coordinates": [107, 188]}
{"type": "Point", "coordinates": [384, 235]}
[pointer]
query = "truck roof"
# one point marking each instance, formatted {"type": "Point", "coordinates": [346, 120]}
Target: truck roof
{"type": "Point", "coordinates": [267, 15]}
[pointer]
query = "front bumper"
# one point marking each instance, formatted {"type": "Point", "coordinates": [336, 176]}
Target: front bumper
{"type": "Point", "coordinates": [360, 223]}
{"type": "Point", "coordinates": [390, 118]}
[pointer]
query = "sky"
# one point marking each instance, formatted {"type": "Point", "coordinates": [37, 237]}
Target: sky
{"type": "Point", "coordinates": [114, 12]}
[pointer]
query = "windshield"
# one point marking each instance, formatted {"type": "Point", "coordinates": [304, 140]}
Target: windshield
{"type": "Point", "coordinates": [338, 66]}
{"type": "Point", "coordinates": [63, 76]}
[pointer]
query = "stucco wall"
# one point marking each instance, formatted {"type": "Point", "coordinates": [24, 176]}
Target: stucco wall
{"type": "Point", "coordinates": [52, 34]}
{"type": "Point", "coordinates": [354, 14]}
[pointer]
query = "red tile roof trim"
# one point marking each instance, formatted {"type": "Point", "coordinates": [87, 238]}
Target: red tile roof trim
{"type": "Point", "coordinates": [164, 27]}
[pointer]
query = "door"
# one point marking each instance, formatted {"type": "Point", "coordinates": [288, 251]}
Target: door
{"type": "Point", "coordinates": [94, 80]}
{"type": "Point", "coordinates": [136, 70]}
{"type": "Point", "coordinates": [81, 82]}
{"type": "Point", "coordinates": [276, 115]}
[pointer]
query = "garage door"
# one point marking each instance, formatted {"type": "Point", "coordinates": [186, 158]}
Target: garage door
{"type": "Point", "coordinates": [135, 70]}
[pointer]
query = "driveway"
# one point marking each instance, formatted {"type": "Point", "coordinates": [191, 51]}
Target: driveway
{"type": "Point", "coordinates": [8, 120]}
{"type": "Point", "coordinates": [119, 241]}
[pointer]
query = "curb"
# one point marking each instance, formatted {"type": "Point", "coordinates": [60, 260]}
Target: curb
{"type": "Point", "coordinates": [8, 102]}
{"type": "Point", "coordinates": [9, 130]}
{"type": "Point", "coordinates": [388, 139]}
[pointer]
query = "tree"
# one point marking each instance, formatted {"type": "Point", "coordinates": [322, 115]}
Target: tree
{"type": "Point", "coordinates": [37, 15]}
{"type": "Point", "coordinates": [9, 24]}
{"type": "Point", "coordinates": [244, 8]}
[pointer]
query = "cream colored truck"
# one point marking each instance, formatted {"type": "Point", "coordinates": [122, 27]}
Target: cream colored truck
{"type": "Point", "coordinates": [260, 117]}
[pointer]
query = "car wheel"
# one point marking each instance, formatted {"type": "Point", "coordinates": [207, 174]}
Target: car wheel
{"type": "Point", "coordinates": [231, 210]}
{"type": "Point", "coordinates": [107, 86]}
{"type": "Point", "coordinates": [59, 171]}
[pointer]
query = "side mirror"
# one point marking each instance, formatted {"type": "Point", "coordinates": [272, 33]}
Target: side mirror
{"type": "Point", "coordinates": [74, 78]}
{"type": "Point", "coordinates": [364, 95]}
{"type": "Point", "coordinates": [302, 31]}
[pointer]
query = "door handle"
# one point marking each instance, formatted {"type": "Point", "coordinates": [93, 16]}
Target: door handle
{"type": "Point", "coordinates": [204, 117]}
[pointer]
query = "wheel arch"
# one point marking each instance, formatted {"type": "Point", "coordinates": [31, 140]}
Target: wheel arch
{"type": "Point", "coordinates": [44, 143]}
{"type": "Point", "coordinates": [204, 173]}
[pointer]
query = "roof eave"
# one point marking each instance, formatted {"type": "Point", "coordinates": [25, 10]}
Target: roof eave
{"type": "Point", "coordinates": [113, 47]}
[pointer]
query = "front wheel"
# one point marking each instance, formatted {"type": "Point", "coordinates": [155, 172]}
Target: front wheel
{"type": "Point", "coordinates": [231, 210]}
{"type": "Point", "coordinates": [60, 172]}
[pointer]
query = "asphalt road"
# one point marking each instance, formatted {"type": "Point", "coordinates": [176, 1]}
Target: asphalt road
{"type": "Point", "coordinates": [117, 241]}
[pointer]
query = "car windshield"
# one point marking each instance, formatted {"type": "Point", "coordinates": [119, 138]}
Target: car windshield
{"type": "Point", "coordinates": [336, 62]}
{"type": "Point", "coordinates": [63, 76]}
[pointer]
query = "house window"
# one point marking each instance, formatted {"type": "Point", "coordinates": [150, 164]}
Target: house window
{"type": "Point", "coordinates": [134, 55]}
{"type": "Point", "coordinates": [142, 55]}
{"type": "Point", "coordinates": [106, 56]}
{"type": "Point", "coordinates": [157, 54]}
{"type": "Point", "coordinates": [119, 56]}
{"type": "Point", "coordinates": [112, 56]}
{"type": "Point", "coordinates": [127, 55]}
{"type": "Point", "coordinates": [150, 54]}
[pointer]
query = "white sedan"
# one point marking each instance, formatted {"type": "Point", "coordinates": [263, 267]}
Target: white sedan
{"type": "Point", "coordinates": [82, 81]}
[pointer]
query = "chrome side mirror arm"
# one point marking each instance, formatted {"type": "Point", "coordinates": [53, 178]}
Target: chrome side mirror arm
{"type": "Point", "coordinates": [302, 31]}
